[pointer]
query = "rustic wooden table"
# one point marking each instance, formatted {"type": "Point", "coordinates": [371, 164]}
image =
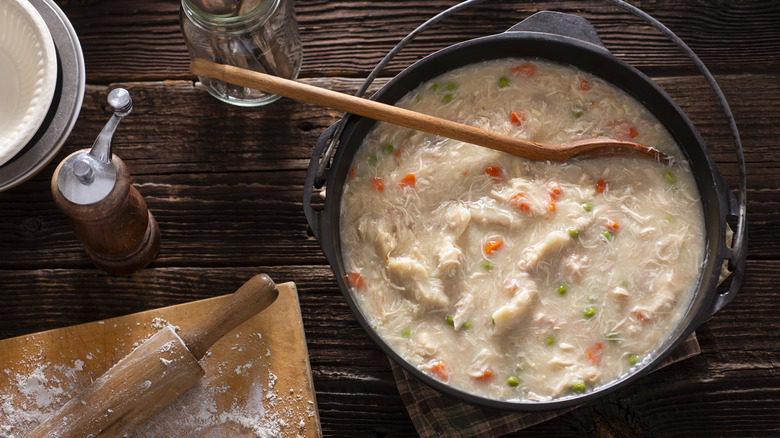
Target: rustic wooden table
{"type": "Point", "coordinates": [226, 184]}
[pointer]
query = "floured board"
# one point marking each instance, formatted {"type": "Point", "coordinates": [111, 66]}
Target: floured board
{"type": "Point", "coordinates": [257, 383]}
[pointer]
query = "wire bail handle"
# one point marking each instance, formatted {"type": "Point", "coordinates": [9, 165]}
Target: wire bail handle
{"type": "Point", "coordinates": [738, 246]}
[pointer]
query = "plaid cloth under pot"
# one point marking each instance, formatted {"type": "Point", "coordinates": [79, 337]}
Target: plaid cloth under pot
{"type": "Point", "coordinates": [436, 415]}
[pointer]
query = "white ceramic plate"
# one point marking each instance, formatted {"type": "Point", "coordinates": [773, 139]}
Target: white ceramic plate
{"type": "Point", "coordinates": [28, 75]}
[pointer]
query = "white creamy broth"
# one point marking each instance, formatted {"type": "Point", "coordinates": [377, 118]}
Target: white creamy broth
{"type": "Point", "coordinates": [514, 279]}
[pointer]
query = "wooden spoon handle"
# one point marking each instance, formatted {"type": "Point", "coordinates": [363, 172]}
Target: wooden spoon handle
{"type": "Point", "coordinates": [255, 295]}
{"type": "Point", "coordinates": [591, 148]}
{"type": "Point", "coordinates": [372, 109]}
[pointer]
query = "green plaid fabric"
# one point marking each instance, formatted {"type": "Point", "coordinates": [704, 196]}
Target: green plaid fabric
{"type": "Point", "coordinates": [437, 415]}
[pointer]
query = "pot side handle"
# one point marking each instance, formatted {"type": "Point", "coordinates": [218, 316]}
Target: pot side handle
{"type": "Point", "coordinates": [314, 179]}
{"type": "Point", "coordinates": [735, 256]}
{"type": "Point", "coordinates": [558, 23]}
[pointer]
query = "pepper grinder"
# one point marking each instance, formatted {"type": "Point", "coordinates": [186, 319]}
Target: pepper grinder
{"type": "Point", "coordinates": [109, 216]}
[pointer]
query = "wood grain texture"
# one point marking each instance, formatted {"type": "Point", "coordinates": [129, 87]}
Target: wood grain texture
{"type": "Point", "coordinates": [737, 367]}
{"type": "Point", "coordinates": [225, 185]}
{"type": "Point", "coordinates": [348, 38]}
{"type": "Point", "coordinates": [257, 377]}
{"type": "Point", "coordinates": [118, 232]}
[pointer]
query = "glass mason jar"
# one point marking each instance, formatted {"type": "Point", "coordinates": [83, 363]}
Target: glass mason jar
{"type": "Point", "coordinates": [259, 35]}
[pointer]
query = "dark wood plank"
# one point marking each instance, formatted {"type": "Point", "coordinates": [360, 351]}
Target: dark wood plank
{"type": "Point", "coordinates": [140, 40]}
{"type": "Point", "coordinates": [355, 389]}
{"type": "Point", "coordinates": [226, 183]}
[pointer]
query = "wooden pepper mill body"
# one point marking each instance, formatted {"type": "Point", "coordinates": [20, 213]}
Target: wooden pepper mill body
{"type": "Point", "coordinates": [119, 233]}
{"type": "Point", "coordinates": [109, 216]}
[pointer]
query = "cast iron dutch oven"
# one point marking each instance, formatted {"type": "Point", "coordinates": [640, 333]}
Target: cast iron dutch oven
{"type": "Point", "coordinates": [570, 40]}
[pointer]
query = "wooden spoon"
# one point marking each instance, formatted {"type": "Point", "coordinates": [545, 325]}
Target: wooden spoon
{"type": "Point", "coordinates": [589, 148]}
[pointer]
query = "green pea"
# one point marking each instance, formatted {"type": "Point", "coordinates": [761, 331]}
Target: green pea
{"type": "Point", "coordinates": [633, 359]}
{"type": "Point", "coordinates": [388, 149]}
{"type": "Point", "coordinates": [562, 289]}
{"type": "Point", "coordinates": [406, 333]}
{"type": "Point", "coordinates": [607, 235]}
{"type": "Point", "coordinates": [449, 320]}
{"type": "Point", "coordinates": [487, 265]}
{"type": "Point", "coordinates": [577, 113]}
{"type": "Point", "coordinates": [579, 387]}
{"type": "Point", "coordinates": [670, 178]}
{"type": "Point", "coordinates": [587, 207]}
{"type": "Point", "coordinates": [503, 81]}
{"type": "Point", "coordinates": [447, 98]}
{"type": "Point", "coordinates": [513, 381]}
{"type": "Point", "coordinates": [452, 86]}
{"type": "Point", "coordinates": [468, 325]}
{"type": "Point", "coordinates": [550, 340]}
{"type": "Point", "coordinates": [372, 159]}
{"type": "Point", "coordinates": [435, 86]}
{"type": "Point", "coordinates": [573, 233]}
{"type": "Point", "coordinates": [589, 311]}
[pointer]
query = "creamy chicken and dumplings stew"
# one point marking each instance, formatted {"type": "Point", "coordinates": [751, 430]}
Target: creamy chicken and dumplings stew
{"type": "Point", "coordinates": [512, 279]}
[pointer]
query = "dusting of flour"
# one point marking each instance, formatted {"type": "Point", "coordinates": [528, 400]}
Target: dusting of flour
{"type": "Point", "coordinates": [32, 396]}
{"type": "Point", "coordinates": [233, 399]}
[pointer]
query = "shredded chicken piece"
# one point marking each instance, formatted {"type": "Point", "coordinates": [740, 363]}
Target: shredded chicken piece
{"type": "Point", "coordinates": [456, 219]}
{"type": "Point", "coordinates": [376, 232]}
{"type": "Point", "coordinates": [524, 290]}
{"type": "Point", "coordinates": [413, 275]}
{"type": "Point", "coordinates": [552, 243]}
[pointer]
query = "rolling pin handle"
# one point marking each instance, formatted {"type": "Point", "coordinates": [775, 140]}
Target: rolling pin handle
{"type": "Point", "coordinates": [251, 298]}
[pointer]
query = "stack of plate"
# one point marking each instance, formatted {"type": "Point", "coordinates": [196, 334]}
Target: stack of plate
{"type": "Point", "coordinates": [42, 86]}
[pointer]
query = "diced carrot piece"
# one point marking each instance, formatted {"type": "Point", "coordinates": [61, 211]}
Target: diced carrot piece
{"type": "Point", "coordinates": [398, 152]}
{"type": "Point", "coordinates": [594, 353]}
{"type": "Point", "coordinates": [439, 370]}
{"type": "Point", "coordinates": [623, 130]}
{"type": "Point", "coordinates": [600, 186]}
{"type": "Point", "coordinates": [517, 118]}
{"type": "Point", "coordinates": [585, 85]}
{"type": "Point", "coordinates": [352, 173]}
{"type": "Point", "coordinates": [378, 184]}
{"type": "Point", "coordinates": [521, 202]}
{"type": "Point", "coordinates": [495, 173]}
{"type": "Point", "coordinates": [483, 374]}
{"type": "Point", "coordinates": [408, 181]}
{"type": "Point", "coordinates": [640, 315]}
{"type": "Point", "coordinates": [525, 70]}
{"type": "Point", "coordinates": [356, 280]}
{"type": "Point", "coordinates": [612, 225]}
{"type": "Point", "coordinates": [492, 245]}
{"type": "Point", "coordinates": [554, 190]}
{"type": "Point", "coordinates": [551, 204]}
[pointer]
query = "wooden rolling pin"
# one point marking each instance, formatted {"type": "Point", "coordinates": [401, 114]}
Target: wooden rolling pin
{"type": "Point", "coordinates": [154, 374]}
